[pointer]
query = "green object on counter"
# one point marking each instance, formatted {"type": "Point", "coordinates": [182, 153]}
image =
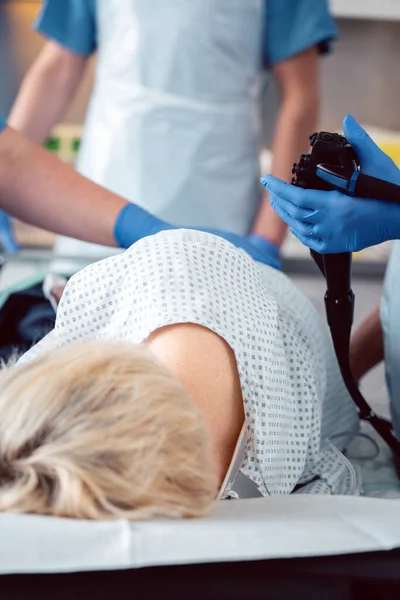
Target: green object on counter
{"type": "Point", "coordinates": [76, 142]}
{"type": "Point", "coordinates": [52, 144]}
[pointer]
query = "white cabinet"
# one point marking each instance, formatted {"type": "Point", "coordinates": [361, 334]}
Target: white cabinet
{"type": "Point", "coordinates": [385, 10]}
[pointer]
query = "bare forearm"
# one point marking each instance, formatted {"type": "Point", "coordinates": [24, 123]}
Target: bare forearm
{"type": "Point", "coordinates": [296, 122]}
{"type": "Point", "coordinates": [298, 81]}
{"type": "Point", "coordinates": [46, 92]}
{"type": "Point", "coordinates": [38, 188]}
{"type": "Point", "coordinates": [366, 349]}
{"type": "Point", "coordinates": [291, 139]}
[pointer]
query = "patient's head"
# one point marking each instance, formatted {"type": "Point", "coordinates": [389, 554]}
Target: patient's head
{"type": "Point", "coordinates": [101, 430]}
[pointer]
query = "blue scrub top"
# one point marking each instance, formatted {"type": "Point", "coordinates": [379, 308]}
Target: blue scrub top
{"type": "Point", "coordinates": [291, 26]}
{"type": "Point", "coordinates": [71, 23]}
{"type": "Point", "coordinates": [3, 123]}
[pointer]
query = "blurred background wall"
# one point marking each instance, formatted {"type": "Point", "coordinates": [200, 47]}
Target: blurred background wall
{"type": "Point", "coordinates": [361, 76]}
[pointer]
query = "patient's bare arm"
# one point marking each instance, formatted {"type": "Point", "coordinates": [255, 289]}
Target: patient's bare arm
{"type": "Point", "coordinates": [366, 348]}
{"type": "Point", "coordinates": [38, 188]}
{"type": "Point", "coordinates": [206, 366]}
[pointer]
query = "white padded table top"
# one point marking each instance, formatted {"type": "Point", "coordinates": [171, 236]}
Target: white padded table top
{"type": "Point", "coordinates": [238, 530]}
{"type": "Point", "coordinates": [279, 527]}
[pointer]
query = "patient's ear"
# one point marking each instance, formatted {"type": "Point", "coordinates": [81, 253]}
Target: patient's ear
{"type": "Point", "coordinates": [206, 366]}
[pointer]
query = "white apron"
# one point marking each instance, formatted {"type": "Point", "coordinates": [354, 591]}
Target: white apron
{"type": "Point", "coordinates": [173, 122]}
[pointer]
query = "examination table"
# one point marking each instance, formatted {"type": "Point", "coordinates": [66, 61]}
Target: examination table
{"type": "Point", "coordinates": [298, 546]}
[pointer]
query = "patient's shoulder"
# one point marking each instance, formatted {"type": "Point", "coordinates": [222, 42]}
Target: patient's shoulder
{"type": "Point", "coordinates": [206, 366]}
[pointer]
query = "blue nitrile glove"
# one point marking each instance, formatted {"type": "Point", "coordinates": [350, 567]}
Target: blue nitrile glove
{"type": "Point", "coordinates": [257, 247]}
{"type": "Point", "coordinates": [134, 223]}
{"type": "Point", "coordinates": [331, 222]}
{"type": "Point", "coordinates": [8, 242]}
{"type": "Point", "coordinates": [271, 252]}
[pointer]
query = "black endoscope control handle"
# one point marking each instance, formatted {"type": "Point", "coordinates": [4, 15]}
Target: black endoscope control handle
{"type": "Point", "coordinates": [339, 297]}
{"type": "Point", "coordinates": [376, 189]}
{"type": "Point", "coordinates": [338, 273]}
{"type": "Point", "coordinates": [336, 268]}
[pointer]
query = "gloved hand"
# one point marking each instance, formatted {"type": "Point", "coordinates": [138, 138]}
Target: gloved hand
{"type": "Point", "coordinates": [134, 223]}
{"type": "Point", "coordinates": [257, 247]}
{"type": "Point", "coordinates": [270, 251]}
{"type": "Point", "coordinates": [331, 222]}
{"type": "Point", "coordinates": [8, 242]}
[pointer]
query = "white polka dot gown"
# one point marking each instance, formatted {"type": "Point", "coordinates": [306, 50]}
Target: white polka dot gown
{"type": "Point", "coordinates": [294, 398]}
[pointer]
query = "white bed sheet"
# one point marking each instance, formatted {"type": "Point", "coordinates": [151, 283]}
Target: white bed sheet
{"type": "Point", "coordinates": [238, 530]}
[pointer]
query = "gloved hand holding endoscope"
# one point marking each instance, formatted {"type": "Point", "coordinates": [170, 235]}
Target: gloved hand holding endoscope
{"type": "Point", "coordinates": [334, 225]}
{"type": "Point", "coordinates": [332, 222]}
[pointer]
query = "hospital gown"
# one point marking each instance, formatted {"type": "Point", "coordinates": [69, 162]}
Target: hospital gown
{"type": "Point", "coordinates": [293, 395]}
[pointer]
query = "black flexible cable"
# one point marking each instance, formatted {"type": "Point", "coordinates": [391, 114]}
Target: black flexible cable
{"type": "Point", "coordinates": [339, 305]}
{"type": "Point", "coordinates": [340, 319]}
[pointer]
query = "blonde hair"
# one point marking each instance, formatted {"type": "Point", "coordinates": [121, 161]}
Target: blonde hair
{"type": "Point", "coordinates": [101, 430]}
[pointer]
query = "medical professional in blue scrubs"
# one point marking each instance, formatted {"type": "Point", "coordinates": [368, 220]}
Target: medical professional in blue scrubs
{"type": "Point", "coordinates": [40, 189]}
{"type": "Point", "coordinates": [330, 222]}
{"type": "Point", "coordinates": [173, 123]}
